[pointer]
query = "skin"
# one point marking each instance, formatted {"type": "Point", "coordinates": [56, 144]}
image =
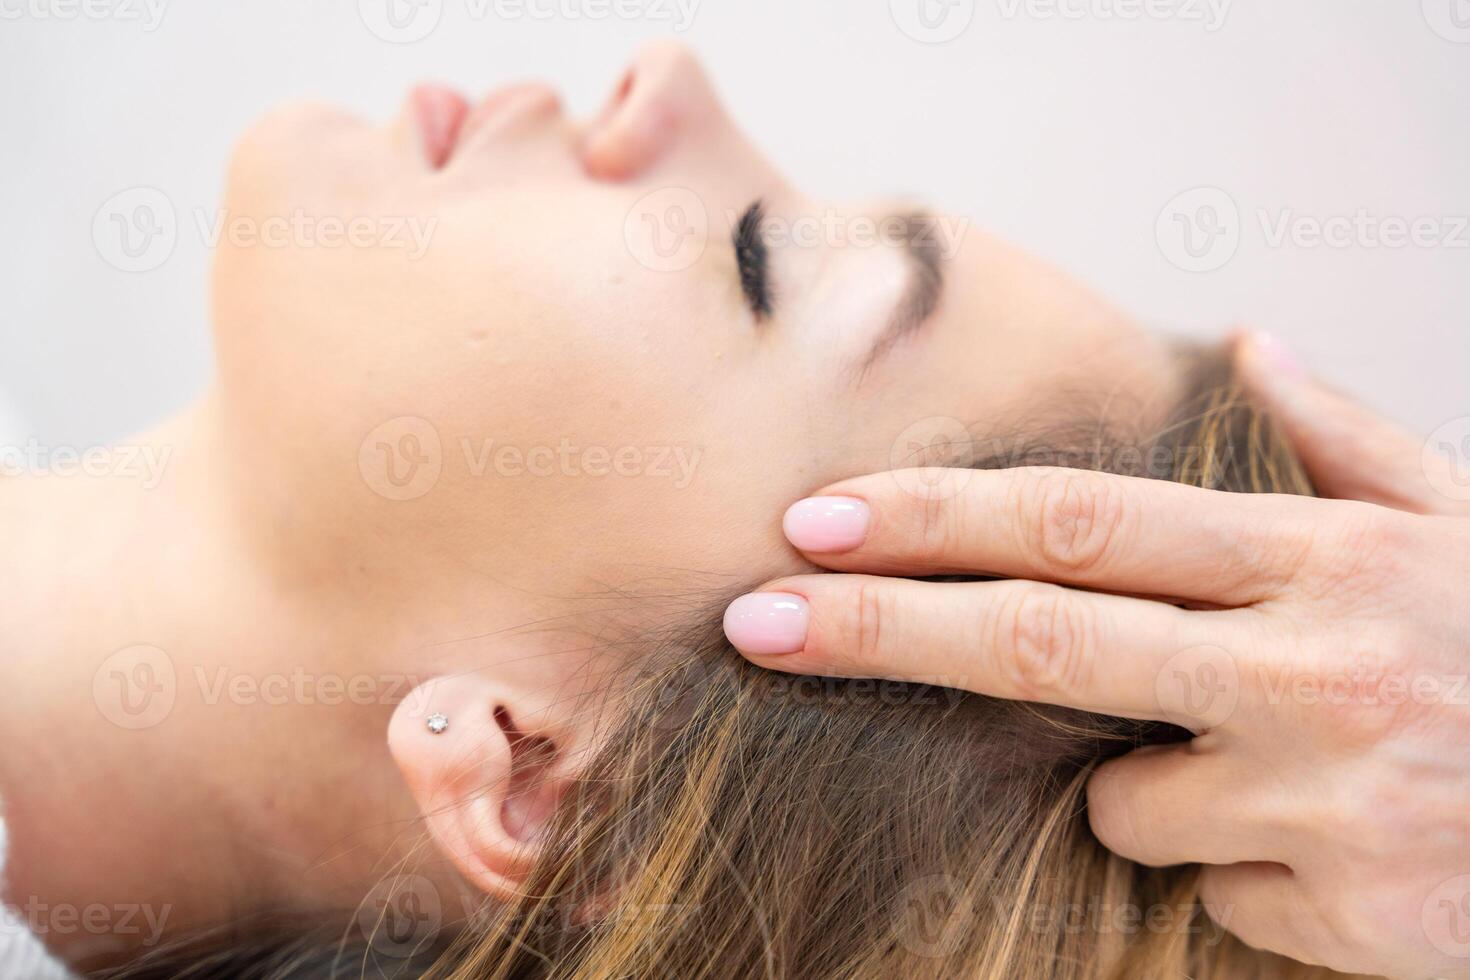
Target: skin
{"type": "Point", "coordinates": [274, 546]}
{"type": "Point", "coordinates": [1327, 787]}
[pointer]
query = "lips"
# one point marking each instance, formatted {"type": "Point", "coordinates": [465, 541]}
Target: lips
{"type": "Point", "coordinates": [446, 121]}
{"type": "Point", "coordinates": [440, 113]}
{"type": "Point", "coordinates": [504, 108]}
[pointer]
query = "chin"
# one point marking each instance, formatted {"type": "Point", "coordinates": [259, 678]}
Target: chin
{"type": "Point", "coordinates": [302, 154]}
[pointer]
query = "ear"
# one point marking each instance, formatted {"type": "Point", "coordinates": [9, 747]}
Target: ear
{"type": "Point", "coordinates": [489, 783]}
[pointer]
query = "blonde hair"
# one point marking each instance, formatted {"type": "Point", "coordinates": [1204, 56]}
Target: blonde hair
{"type": "Point", "coordinates": [744, 824]}
{"type": "Point", "coordinates": [740, 823]}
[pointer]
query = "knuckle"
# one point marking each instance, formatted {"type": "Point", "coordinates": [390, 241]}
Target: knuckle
{"type": "Point", "coordinates": [1075, 519]}
{"type": "Point", "coordinates": [1351, 688]}
{"type": "Point", "coordinates": [941, 531]}
{"type": "Point", "coordinates": [1111, 814]}
{"type": "Point", "coordinates": [1397, 692]}
{"type": "Point", "coordinates": [1043, 639]}
{"type": "Point", "coordinates": [1236, 907]}
{"type": "Point", "coordinates": [869, 624]}
{"type": "Point", "coordinates": [1365, 551]}
{"type": "Point", "coordinates": [1281, 556]}
{"type": "Point", "coordinates": [1220, 902]}
{"type": "Point", "coordinates": [1340, 920]}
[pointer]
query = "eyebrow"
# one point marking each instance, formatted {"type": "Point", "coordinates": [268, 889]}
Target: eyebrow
{"type": "Point", "coordinates": [924, 254]}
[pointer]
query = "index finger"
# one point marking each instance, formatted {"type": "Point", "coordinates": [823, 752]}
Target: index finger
{"type": "Point", "coordinates": [1076, 527]}
{"type": "Point", "coordinates": [1022, 641]}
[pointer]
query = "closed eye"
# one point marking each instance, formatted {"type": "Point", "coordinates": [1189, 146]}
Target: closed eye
{"type": "Point", "coordinates": [924, 249]}
{"type": "Point", "coordinates": [753, 260]}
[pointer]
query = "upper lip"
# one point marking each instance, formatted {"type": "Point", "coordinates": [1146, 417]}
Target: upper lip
{"type": "Point", "coordinates": [446, 120]}
{"type": "Point", "coordinates": [497, 103]}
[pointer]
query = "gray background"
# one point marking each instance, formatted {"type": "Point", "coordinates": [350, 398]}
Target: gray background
{"type": "Point", "coordinates": [1070, 130]}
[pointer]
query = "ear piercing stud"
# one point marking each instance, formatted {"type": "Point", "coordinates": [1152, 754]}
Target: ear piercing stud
{"type": "Point", "coordinates": [437, 723]}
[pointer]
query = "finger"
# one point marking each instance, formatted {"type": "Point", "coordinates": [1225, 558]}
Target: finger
{"type": "Point", "coordinates": [1350, 452]}
{"type": "Point", "coordinates": [1122, 534]}
{"type": "Point", "coordinates": [1179, 804]}
{"type": "Point", "coordinates": [1264, 906]}
{"type": "Point", "coordinates": [1024, 641]}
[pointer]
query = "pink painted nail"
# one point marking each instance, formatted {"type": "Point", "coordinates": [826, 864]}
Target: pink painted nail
{"type": "Point", "coordinates": [827, 524]}
{"type": "Point", "coordinates": [1278, 355]}
{"type": "Point", "coordinates": [767, 623]}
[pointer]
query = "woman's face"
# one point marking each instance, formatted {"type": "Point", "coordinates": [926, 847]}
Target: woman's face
{"type": "Point", "coordinates": [546, 353]}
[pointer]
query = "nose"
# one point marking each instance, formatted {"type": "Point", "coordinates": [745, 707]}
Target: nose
{"type": "Point", "coordinates": [663, 99]}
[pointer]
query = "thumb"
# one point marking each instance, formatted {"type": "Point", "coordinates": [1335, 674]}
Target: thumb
{"type": "Point", "coordinates": [1350, 452]}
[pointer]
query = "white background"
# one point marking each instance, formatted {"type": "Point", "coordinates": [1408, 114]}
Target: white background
{"type": "Point", "coordinates": [1067, 128]}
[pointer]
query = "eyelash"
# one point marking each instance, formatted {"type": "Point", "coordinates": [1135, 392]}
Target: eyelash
{"type": "Point", "coordinates": [753, 260]}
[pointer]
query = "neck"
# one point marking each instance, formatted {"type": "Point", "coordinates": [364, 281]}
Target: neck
{"type": "Point", "coordinates": [187, 740]}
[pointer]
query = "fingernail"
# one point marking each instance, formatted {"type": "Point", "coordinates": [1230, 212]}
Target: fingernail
{"type": "Point", "coordinates": [767, 623]}
{"type": "Point", "coordinates": [1278, 355]}
{"type": "Point", "coordinates": [826, 524]}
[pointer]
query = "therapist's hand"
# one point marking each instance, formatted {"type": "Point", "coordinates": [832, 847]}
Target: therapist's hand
{"type": "Point", "coordinates": [1322, 663]}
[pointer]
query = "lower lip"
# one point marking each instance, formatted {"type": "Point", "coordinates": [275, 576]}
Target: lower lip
{"type": "Point", "coordinates": [440, 113]}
